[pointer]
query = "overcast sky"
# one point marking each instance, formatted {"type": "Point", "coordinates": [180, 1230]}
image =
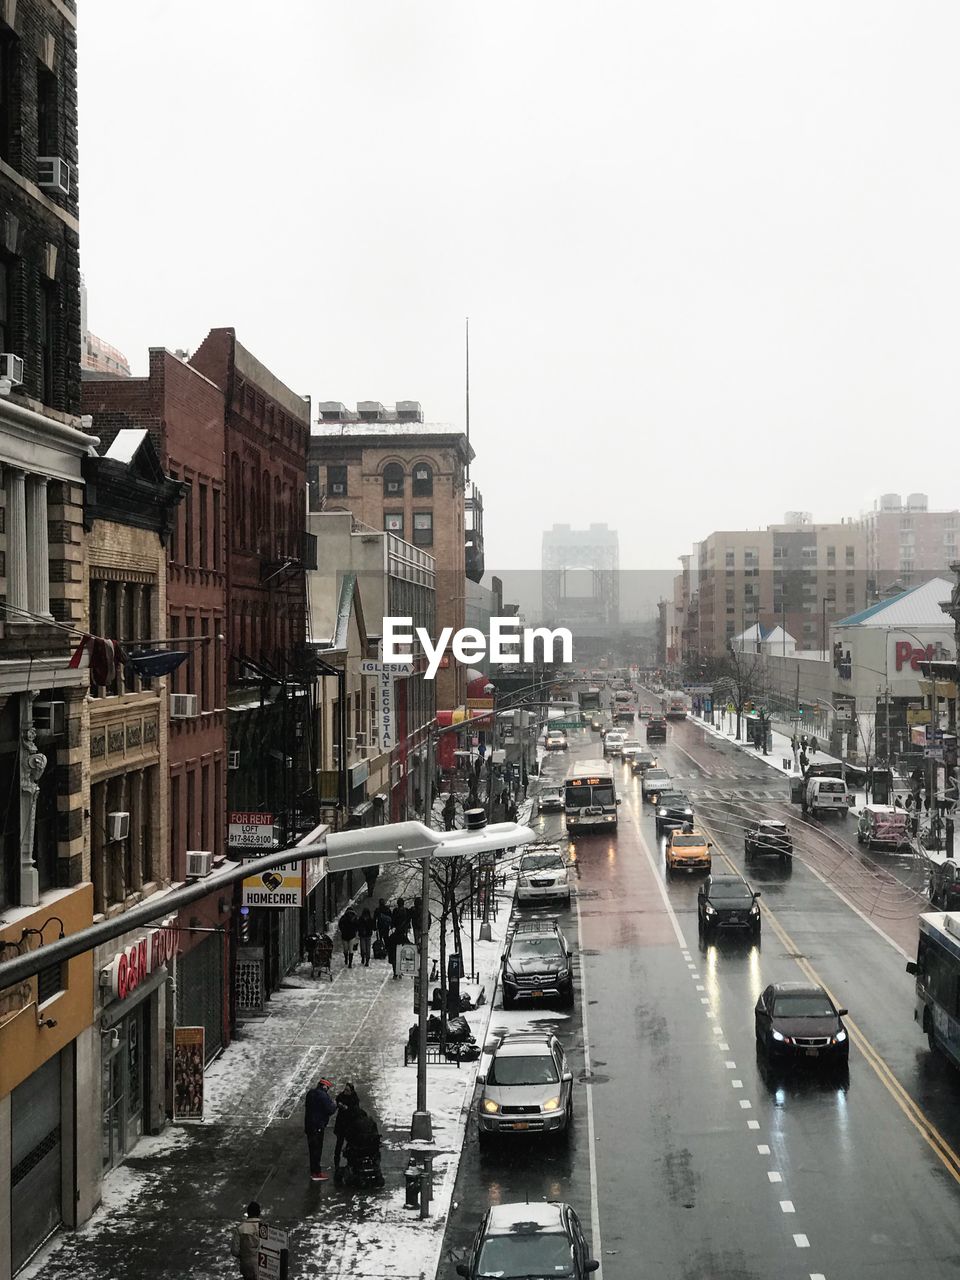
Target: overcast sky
{"type": "Point", "coordinates": [708, 251]}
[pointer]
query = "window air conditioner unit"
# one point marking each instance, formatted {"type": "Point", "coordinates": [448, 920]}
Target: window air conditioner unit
{"type": "Point", "coordinates": [118, 826]}
{"type": "Point", "coordinates": [233, 759]}
{"type": "Point", "coordinates": [393, 486]}
{"type": "Point", "coordinates": [49, 718]}
{"type": "Point", "coordinates": [338, 490]}
{"type": "Point", "coordinates": [199, 862]}
{"type": "Point", "coordinates": [11, 368]}
{"type": "Point", "coordinates": [184, 706]}
{"type": "Point", "coordinates": [53, 174]}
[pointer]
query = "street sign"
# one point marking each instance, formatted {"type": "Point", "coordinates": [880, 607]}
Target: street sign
{"type": "Point", "coordinates": [918, 715]}
{"type": "Point", "coordinates": [408, 960]}
{"type": "Point", "coordinates": [844, 715]}
{"type": "Point", "coordinates": [279, 887]}
{"type": "Point", "coordinates": [933, 753]}
{"type": "Point", "coordinates": [271, 1245]}
{"type": "Point", "coordinates": [251, 831]}
{"type": "Point", "coordinates": [372, 667]}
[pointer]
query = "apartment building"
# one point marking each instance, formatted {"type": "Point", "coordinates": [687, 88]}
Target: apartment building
{"type": "Point", "coordinates": [907, 543]}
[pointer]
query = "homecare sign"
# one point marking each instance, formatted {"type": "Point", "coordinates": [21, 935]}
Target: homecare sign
{"type": "Point", "coordinates": [507, 643]}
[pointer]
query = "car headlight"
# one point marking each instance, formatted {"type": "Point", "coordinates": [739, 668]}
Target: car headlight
{"type": "Point", "coordinates": [711, 911]}
{"type": "Point", "coordinates": [839, 1037]}
{"type": "Point", "coordinates": [490, 1106]}
{"type": "Point", "coordinates": [551, 1104]}
{"type": "Point", "coordinates": [563, 973]}
{"type": "Point", "coordinates": [661, 813]}
{"type": "Point", "coordinates": [688, 812]}
{"type": "Point", "coordinates": [777, 1035]}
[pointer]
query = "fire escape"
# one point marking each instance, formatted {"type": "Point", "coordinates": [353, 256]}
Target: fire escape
{"type": "Point", "coordinates": [473, 533]}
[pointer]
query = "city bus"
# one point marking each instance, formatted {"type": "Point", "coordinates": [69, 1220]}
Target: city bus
{"type": "Point", "coordinates": [589, 699]}
{"type": "Point", "coordinates": [590, 797]}
{"type": "Point", "coordinates": [937, 970]}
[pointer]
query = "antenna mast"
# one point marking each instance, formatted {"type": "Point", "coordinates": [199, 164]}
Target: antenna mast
{"type": "Point", "coordinates": [468, 399]}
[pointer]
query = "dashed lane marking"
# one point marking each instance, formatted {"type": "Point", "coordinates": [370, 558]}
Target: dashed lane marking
{"type": "Point", "coordinates": [591, 1134]}
{"type": "Point", "coordinates": [787, 1206]}
{"type": "Point", "coordinates": [753, 1124]}
{"type": "Point", "coordinates": [773, 1176]}
{"type": "Point", "coordinates": [801, 1241]}
{"type": "Point", "coordinates": [762, 1149]}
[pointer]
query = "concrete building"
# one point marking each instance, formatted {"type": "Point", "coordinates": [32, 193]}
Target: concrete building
{"type": "Point", "coordinates": [393, 579]}
{"type": "Point", "coordinates": [799, 575]}
{"type": "Point", "coordinates": [906, 543]}
{"type": "Point", "coordinates": [183, 412]}
{"type": "Point", "coordinates": [49, 1051]}
{"type": "Point", "coordinates": [580, 584]}
{"type": "Point", "coordinates": [128, 515]}
{"type": "Point", "coordinates": [395, 472]}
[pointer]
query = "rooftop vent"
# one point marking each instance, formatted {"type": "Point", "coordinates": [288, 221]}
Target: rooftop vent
{"type": "Point", "coordinates": [889, 502]}
{"type": "Point", "coordinates": [916, 502]}
{"type": "Point", "coordinates": [409, 411]}
{"type": "Point", "coordinates": [370, 411]}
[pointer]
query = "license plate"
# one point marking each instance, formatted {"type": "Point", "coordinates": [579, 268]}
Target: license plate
{"type": "Point", "coordinates": [521, 1124]}
{"type": "Point", "coordinates": [734, 919]}
{"type": "Point", "coordinates": [812, 1053]}
{"type": "Point", "coordinates": [536, 994]}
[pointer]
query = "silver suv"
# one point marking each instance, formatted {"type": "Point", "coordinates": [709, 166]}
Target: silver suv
{"type": "Point", "coordinates": [527, 1089]}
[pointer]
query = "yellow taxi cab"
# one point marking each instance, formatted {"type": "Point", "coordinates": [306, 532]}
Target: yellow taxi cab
{"type": "Point", "coordinates": [688, 851]}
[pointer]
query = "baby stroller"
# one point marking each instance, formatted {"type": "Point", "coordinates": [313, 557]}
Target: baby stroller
{"type": "Point", "coordinates": [362, 1154]}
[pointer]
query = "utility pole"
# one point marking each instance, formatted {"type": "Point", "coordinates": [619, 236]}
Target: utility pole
{"type": "Point", "coordinates": [422, 1127]}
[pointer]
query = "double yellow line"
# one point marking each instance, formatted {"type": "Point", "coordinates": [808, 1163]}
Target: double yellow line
{"type": "Point", "coordinates": [928, 1131]}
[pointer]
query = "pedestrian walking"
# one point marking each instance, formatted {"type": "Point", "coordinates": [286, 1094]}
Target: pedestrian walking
{"type": "Point", "coordinates": [401, 920]}
{"type": "Point", "coordinates": [371, 875]}
{"type": "Point", "coordinates": [348, 935]}
{"type": "Point", "coordinates": [394, 942]}
{"type": "Point", "coordinates": [804, 760]}
{"type": "Point", "coordinates": [245, 1243]}
{"type": "Point", "coordinates": [365, 935]}
{"type": "Point", "coordinates": [814, 746]}
{"type": "Point", "coordinates": [348, 1104]}
{"type": "Point", "coordinates": [449, 812]}
{"type": "Point", "coordinates": [317, 1109]}
{"type": "Point", "coordinates": [803, 741]}
{"type": "Point", "coordinates": [384, 923]}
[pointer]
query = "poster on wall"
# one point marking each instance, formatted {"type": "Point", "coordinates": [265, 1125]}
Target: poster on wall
{"type": "Point", "coordinates": [188, 1073]}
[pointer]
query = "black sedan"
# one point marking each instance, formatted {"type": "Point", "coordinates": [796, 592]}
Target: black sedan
{"type": "Point", "coordinates": [727, 902]}
{"type": "Point", "coordinates": [529, 1240]}
{"type": "Point", "coordinates": [643, 760]}
{"type": "Point", "coordinates": [673, 810]}
{"type": "Point", "coordinates": [799, 1022]}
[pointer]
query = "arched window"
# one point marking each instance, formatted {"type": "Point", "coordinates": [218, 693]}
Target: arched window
{"type": "Point", "coordinates": [422, 480]}
{"type": "Point", "coordinates": [393, 480]}
{"type": "Point", "coordinates": [265, 501]}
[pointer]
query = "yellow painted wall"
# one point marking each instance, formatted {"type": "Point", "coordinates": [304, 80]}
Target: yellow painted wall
{"type": "Point", "coordinates": [23, 1045]}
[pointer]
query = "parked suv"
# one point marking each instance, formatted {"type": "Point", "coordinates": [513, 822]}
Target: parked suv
{"type": "Point", "coordinates": [528, 1088]}
{"type": "Point", "coordinates": [542, 874]}
{"type": "Point", "coordinates": [768, 837]}
{"type": "Point", "coordinates": [538, 963]}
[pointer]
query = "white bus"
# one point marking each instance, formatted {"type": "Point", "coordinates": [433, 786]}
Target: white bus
{"type": "Point", "coordinates": [590, 797]}
{"type": "Point", "coordinates": [937, 969]}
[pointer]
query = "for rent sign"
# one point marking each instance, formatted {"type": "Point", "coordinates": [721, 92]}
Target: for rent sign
{"type": "Point", "coordinates": [250, 831]}
{"type": "Point", "coordinates": [132, 966]}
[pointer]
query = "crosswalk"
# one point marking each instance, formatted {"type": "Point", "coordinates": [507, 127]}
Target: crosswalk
{"type": "Point", "coordinates": [721, 784]}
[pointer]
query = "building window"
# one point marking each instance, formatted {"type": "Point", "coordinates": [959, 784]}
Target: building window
{"type": "Point", "coordinates": [423, 528]}
{"type": "Point", "coordinates": [831, 555]}
{"type": "Point", "coordinates": [337, 482]}
{"type": "Point", "coordinates": [202, 497]}
{"type": "Point", "coordinates": [423, 480]}
{"type": "Point", "coordinates": [730, 596]}
{"type": "Point", "coordinates": [393, 522]}
{"type": "Point", "coordinates": [851, 554]}
{"type": "Point", "coordinates": [47, 114]}
{"type": "Point", "coordinates": [9, 55]}
{"type": "Point", "coordinates": [217, 531]}
{"type": "Point", "coordinates": [392, 480]}
{"type": "Point", "coordinates": [6, 305]}
{"type": "Point", "coordinates": [187, 506]}
{"type": "Point", "coordinates": [47, 300]}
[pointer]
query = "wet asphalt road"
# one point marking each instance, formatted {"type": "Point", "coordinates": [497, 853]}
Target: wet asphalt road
{"type": "Point", "coordinates": [820, 1175]}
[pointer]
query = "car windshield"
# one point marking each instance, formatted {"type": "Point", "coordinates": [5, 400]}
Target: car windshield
{"type": "Point", "coordinates": [730, 893]}
{"type": "Point", "coordinates": [537, 1069]}
{"type": "Point", "coordinates": [630, 742]}
{"type": "Point", "coordinates": [545, 946]}
{"type": "Point", "coordinates": [675, 798]}
{"type": "Point", "coordinates": [534, 1253]}
{"type": "Point", "coordinates": [802, 1006]}
{"type": "Point", "coordinates": [687, 842]}
{"type": "Point", "coordinates": [657, 775]}
{"type": "Point", "coordinates": [541, 862]}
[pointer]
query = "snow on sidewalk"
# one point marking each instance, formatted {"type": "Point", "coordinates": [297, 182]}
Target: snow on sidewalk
{"type": "Point", "coordinates": [169, 1210]}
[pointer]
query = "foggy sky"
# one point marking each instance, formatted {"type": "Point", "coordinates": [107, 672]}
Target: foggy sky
{"type": "Point", "coordinates": [708, 251]}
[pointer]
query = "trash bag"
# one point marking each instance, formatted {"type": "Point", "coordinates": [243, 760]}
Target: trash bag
{"type": "Point", "coordinates": [458, 1030]}
{"type": "Point", "coordinates": [462, 1052]}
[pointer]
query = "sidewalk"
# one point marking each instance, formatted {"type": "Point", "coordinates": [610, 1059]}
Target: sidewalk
{"type": "Point", "coordinates": [169, 1210]}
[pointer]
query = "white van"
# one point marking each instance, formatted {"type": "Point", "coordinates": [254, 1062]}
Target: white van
{"type": "Point", "coordinates": [826, 795]}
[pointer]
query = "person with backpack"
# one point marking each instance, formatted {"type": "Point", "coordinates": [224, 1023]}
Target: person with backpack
{"type": "Point", "coordinates": [245, 1244]}
{"type": "Point", "coordinates": [365, 935]}
{"type": "Point", "coordinates": [348, 935]}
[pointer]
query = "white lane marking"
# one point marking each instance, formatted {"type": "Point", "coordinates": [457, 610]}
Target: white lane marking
{"type": "Point", "coordinates": [724, 1047]}
{"type": "Point", "coordinates": [763, 1149]}
{"type": "Point", "coordinates": [801, 1241]}
{"type": "Point", "coordinates": [736, 1084]}
{"type": "Point", "coordinates": [773, 1176]}
{"type": "Point", "coordinates": [704, 999]}
{"type": "Point", "coordinates": [700, 986]}
{"type": "Point", "coordinates": [752, 1124]}
{"type": "Point", "coordinates": [691, 965]}
{"type": "Point", "coordinates": [662, 888]}
{"type": "Point", "coordinates": [730, 1065]}
{"type": "Point", "coordinates": [787, 1206]}
{"type": "Point", "coordinates": [817, 1275]}
{"type": "Point", "coordinates": [591, 1135]}
{"type": "Point", "coordinates": [718, 1031]}
{"type": "Point", "coordinates": [745, 1105]}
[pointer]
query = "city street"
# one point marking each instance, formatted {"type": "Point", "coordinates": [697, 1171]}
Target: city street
{"type": "Point", "coordinates": [706, 1163]}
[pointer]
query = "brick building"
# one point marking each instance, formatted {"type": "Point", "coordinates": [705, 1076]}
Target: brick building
{"type": "Point", "coordinates": [49, 1047]}
{"type": "Point", "coordinates": [395, 472]}
{"type": "Point", "coordinates": [269, 682]}
{"type": "Point", "coordinates": [183, 412]}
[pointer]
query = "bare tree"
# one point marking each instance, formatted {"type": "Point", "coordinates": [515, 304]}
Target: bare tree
{"type": "Point", "coordinates": [741, 680]}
